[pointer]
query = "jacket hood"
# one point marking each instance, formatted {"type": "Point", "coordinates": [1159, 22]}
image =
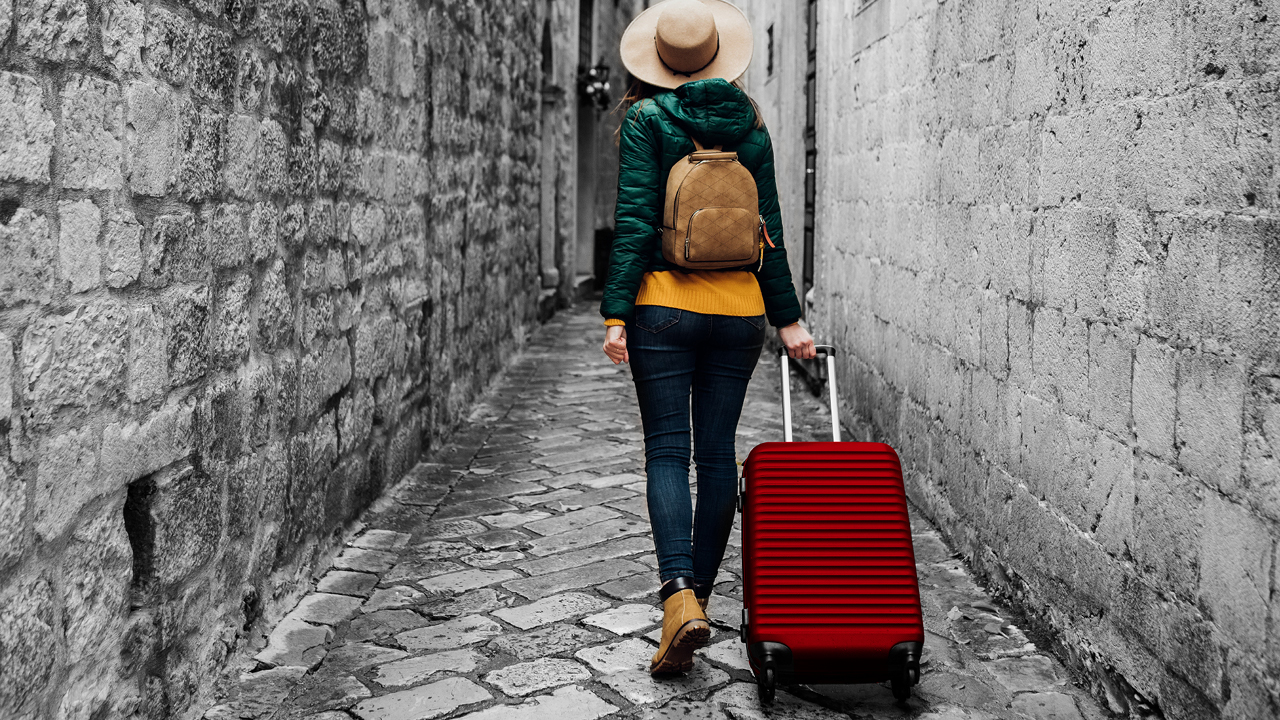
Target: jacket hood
{"type": "Point", "coordinates": [712, 110]}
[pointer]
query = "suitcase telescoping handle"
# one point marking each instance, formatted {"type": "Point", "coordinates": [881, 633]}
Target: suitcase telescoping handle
{"type": "Point", "coordinates": [830, 352]}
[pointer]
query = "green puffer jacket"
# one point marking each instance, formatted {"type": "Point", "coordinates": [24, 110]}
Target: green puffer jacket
{"type": "Point", "coordinates": [656, 135]}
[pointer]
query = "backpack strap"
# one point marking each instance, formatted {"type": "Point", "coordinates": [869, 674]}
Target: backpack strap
{"type": "Point", "coordinates": [701, 148]}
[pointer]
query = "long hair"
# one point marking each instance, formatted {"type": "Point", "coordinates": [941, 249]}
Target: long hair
{"type": "Point", "coordinates": [641, 92]}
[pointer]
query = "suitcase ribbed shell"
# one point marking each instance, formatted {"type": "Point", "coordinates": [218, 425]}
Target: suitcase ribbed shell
{"type": "Point", "coordinates": [827, 556]}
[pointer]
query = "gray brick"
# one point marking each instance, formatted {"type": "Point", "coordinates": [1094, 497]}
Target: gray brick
{"type": "Point", "coordinates": [567, 703]}
{"type": "Point", "coordinates": [90, 149]}
{"type": "Point", "coordinates": [153, 148]}
{"type": "Point", "coordinates": [551, 609]}
{"type": "Point", "coordinates": [26, 140]}
{"type": "Point", "coordinates": [121, 249]}
{"type": "Point", "coordinates": [586, 537]}
{"type": "Point", "coordinates": [450, 634]}
{"type": "Point", "coordinates": [79, 255]}
{"type": "Point", "coordinates": [546, 641]}
{"type": "Point", "coordinates": [54, 30]}
{"type": "Point", "coordinates": [573, 578]}
{"type": "Point", "coordinates": [527, 678]}
{"type": "Point", "coordinates": [575, 520]}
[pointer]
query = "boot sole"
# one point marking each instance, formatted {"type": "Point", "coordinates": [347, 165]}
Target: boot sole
{"type": "Point", "coordinates": [679, 656]}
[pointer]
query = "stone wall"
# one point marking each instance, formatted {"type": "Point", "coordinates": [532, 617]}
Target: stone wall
{"type": "Point", "coordinates": [258, 255]}
{"type": "Point", "coordinates": [1048, 238]}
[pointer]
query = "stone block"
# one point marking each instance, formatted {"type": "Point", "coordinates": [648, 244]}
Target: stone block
{"type": "Point", "coordinates": [412, 671]}
{"type": "Point", "coordinates": [395, 597]}
{"type": "Point", "coordinates": [1210, 414]}
{"type": "Point", "coordinates": [76, 359]}
{"type": "Point", "coordinates": [28, 644]}
{"type": "Point", "coordinates": [32, 255]}
{"type": "Point", "coordinates": [97, 571]}
{"type": "Point", "coordinates": [90, 148]}
{"type": "Point", "coordinates": [272, 159]}
{"type": "Point", "coordinates": [250, 82]}
{"type": "Point", "coordinates": [572, 521]}
{"type": "Point", "coordinates": [1047, 706]}
{"type": "Point", "coordinates": [626, 655]}
{"type": "Point", "coordinates": [167, 47]}
{"type": "Point", "coordinates": [187, 521]}
{"type": "Point", "coordinates": [320, 608]}
{"type": "Point", "coordinates": [148, 362]}
{"type": "Point", "coordinates": [324, 374]}
{"type": "Point", "coordinates": [131, 450]}
{"type": "Point", "coordinates": [213, 64]}
{"type": "Point", "coordinates": [13, 502]}
{"type": "Point", "coordinates": [586, 537]}
{"type": "Point", "coordinates": [1111, 353]}
{"type": "Point", "coordinates": [1167, 520]}
{"type": "Point", "coordinates": [6, 378]}
{"type": "Point", "coordinates": [460, 582]}
{"type": "Point", "coordinates": [67, 479]}
{"type": "Point", "coordinates": [573, 578]}
{"type": "Point", "coordinates": [625, 619]}
{"type": "Point", "coordinates": [123, 24]}
{"type": "Point", "coordinates": [294, 643]}
{"type": "Point", "coordinates": [450, 634]}
{"type": "Point", "coordinates": [203, 133]}
{"type": "Point", "coordinates": [527, 678]}
{"type": "Point", "coordinates": [231, 326]}
{"type": "Point", "coordinates": [26, 130]}
{"type": "Point", "coordinates": [367, 561]}
{"type": "Point", "coordinates": [423, 702]}
{"type": "Point", "coordinates": [354, 656]}
{"type": "Point", "coordinates": [227, 238]}
{"type": "Point", "coordinates": [186, 311]}
{"type": "Point", "coordinates": [262, 692]}
{"type": "Point", "coordinates": [567, 703]}
{"type": "Point", "coordinates": [551, 609]}
{"type": "Point", "coordinates": [639, 687]}
{"type": "Point", "coordinates": [345, 582]}
{"type": "Point", "coordinates": [240, 171]}
{"type": "Point", "coordinates": [79, 256]}
{"type": "Point", "coordinates": [54, 30]}
{"type": "Point", "coordinates": [154, 150]}
{"type": "Point", "coordinates": [546, 641]}
{"type": "Point", "coordinates": [122, 249]}
{"type": "Point", "coordinates": [1236, 551]}
{"type": "Point", "coordinates": [355, 413]}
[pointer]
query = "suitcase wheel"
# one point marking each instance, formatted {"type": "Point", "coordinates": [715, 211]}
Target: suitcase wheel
{"type": "Point", "coordinates": [901, 684]}
{"type": "Point", "coordinates": [767, 685]}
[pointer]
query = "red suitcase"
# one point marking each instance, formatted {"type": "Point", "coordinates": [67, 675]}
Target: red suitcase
{"type": "Point", "coordinates": [830, 591]}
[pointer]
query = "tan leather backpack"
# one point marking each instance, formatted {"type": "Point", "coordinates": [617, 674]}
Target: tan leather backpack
{"type": "Point", "coordinates": [712, 216]}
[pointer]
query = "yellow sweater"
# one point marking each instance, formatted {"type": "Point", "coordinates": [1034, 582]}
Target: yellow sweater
{"type": "Point", "coordinates": [713, 292]}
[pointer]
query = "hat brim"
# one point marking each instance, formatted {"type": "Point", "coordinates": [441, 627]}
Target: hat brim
{"type": "Point", "coordinates": [639, 48]}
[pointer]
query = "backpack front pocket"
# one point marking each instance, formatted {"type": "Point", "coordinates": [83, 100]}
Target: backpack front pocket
{"type": "Point", "coordinates": [721, 235]}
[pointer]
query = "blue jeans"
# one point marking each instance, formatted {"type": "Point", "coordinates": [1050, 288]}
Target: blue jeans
{"type": "Point", "coordinates": [676, 353]}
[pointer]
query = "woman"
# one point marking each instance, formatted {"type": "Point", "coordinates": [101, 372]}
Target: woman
{"type": "Point", "coordinates": [695, 333]}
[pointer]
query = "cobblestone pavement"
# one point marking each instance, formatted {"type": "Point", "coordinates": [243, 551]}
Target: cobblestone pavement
{"type": "Point", "coordinates": [514, 577]}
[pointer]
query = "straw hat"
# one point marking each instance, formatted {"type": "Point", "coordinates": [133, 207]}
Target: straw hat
{"type": "Point", "coordinates": [679, 41]}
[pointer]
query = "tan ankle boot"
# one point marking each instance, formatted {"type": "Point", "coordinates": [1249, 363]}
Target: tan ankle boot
{"type": "Point", "coordinates": [702, 603]}
{"type": "Point", "coordinates": [684, 629]}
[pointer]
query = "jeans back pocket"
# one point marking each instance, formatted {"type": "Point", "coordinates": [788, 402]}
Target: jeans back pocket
{"type": "Point", "coordinates": [655, 318]}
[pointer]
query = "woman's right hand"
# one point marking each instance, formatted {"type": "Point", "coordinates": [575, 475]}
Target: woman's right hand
{"type": "Point", "coordinates": [615, 344]}
{"type": "Point", "coordinates": [798, 341]}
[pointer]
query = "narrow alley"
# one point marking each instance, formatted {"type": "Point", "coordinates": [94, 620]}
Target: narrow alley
{"type": "Point", "coordinates": [514, 577]}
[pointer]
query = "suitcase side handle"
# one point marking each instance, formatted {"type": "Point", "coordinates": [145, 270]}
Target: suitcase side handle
{"type": "Point", "coordinates": [830, 352]}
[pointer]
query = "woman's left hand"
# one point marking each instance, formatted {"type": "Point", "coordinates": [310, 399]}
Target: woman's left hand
{"type": "Point", "coordinates": [615, 344]}
{"type": "Point", "coordinates": [798, 341]}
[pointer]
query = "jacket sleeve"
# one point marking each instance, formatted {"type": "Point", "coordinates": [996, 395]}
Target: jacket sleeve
{"type": "Point", "coordinates": [636, 221]}
{"type": "Point", "coordinates": [774, 274]}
